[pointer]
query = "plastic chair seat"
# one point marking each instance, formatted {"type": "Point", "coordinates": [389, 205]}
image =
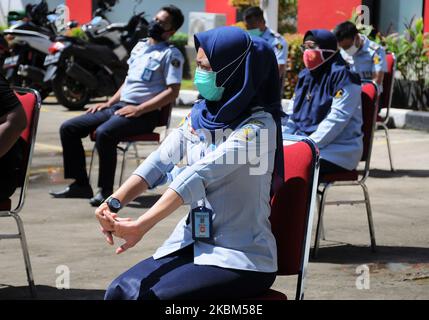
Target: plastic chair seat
{"type": "Point", "coordinates": [340, 176]}
{"type": "Point", "coordinates": [6, 205]}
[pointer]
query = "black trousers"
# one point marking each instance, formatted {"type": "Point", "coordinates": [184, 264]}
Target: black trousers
{"type": "Point", "coordinates": [327, 167]}
{"type": "Point", "coordinates": [11, 165]}
{"type": "Point", "coordinates": [110, 129]}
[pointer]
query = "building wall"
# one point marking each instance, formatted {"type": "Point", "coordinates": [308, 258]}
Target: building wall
{"type": "Point", "coordinates": [222, 6]}
{"type": "Point", "coordinates": [324, 14]}
{"type": "Point", "coordinates": [426, 15]}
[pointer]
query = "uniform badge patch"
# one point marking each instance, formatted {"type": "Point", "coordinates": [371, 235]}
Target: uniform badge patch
{"type": "Point", "coordinates": [279, 46]}
{"type": "Point", "coordinates": [175, 63]}
{"type": "Point", "coordinates": [339, 94]}
{"type": "Point", "coordinates": [376, 59]}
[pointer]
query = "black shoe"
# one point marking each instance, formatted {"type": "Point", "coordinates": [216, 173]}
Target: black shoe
{"type": "Point", "coordinates": [74, 191]}
{"type": "Point", "coordinates": [100, 197]}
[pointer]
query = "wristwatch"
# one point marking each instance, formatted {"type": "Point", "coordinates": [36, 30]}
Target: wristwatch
{"type": "Point", "coordinates": [113, 204]}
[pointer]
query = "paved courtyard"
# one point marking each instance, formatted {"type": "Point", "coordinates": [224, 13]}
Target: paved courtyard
{"type": "Point", "coordinates": [63, 234]}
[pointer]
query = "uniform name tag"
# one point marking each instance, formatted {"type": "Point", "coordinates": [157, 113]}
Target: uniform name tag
{"type": "Point", "coordinates": [147, 74]}
{"type": "Point", "coordinates": [201, 223]}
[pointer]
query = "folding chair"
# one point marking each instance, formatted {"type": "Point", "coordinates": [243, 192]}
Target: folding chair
{"type": "Point", "coordinates": [31, 101]}
{"type": "Point", "coordinates": [153, 137]}
{"type": "Point", "coordinates": [292, 210]}
{"type": "Point", "coordinates": [354, 177]}
{"type": "Point", "coordinates": [386, 101]}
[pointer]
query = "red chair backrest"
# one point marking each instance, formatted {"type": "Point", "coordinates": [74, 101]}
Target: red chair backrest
{"type": "Point", "coordinates": [290, 207]}
{"type": "Point", "coordinates": [389, 76]}
{"type": "Point", "coordinates": [369, 113]}
{"type": "Point", "coordinates": [164, 118]}
{"type": "Point", "coordinates": [30, 106]}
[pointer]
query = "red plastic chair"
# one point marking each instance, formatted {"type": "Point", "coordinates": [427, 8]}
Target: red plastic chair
{"type": "Point", "coordinates": [386, 101]}
{"type": "Point", "coordinates": [354, 177]}
{"type": "Point", "coordinates": [153, 137]}
{"type": "Point", "coordinates": [292, 210]}
{"type": "Point", "coordinates": [31, 102]}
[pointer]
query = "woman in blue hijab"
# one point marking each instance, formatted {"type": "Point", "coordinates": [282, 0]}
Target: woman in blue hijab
{"type": "Point", "coordinates": [327, 104]}
{"type": "Point", "coordinates": [223, 247]}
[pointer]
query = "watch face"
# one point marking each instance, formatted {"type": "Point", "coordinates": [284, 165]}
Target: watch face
{"type": "Point", "coordinates": [114, 204]}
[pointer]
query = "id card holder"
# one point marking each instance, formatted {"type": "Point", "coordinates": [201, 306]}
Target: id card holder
{"type": "Point", "coordinates": [202, 220]}
{"type": "Point", "coordinates": [147, 74]}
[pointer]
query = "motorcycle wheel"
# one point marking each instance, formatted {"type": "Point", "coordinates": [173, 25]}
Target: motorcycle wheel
{"type": "Point", "coordinates": [69, 92]}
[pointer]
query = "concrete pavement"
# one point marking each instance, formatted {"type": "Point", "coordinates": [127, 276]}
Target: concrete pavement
{"type": "Point", "coordinates": [63, 234]}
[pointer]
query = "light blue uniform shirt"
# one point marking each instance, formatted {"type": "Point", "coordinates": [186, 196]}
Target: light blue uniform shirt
{"type": "Point", "coordinates": [339, 136]}
{"type": "Point", "coordinates": [370, 59]}
{"type": "Point", "coordinates": [151, 69]}
{"type": "Point", "coordinates": [278, 44]}
{"type": "Point", "coordinates": [240, 199]}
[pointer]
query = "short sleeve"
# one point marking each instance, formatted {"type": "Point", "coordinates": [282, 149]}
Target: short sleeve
{"type": "Point", "coordinates": [281, 50]}
{"type": "Point", "coordinates": [173, 67]}
{"type": "Point", "coordinates": [379, 61]}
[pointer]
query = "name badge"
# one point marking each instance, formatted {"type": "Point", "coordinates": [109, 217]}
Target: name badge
{"type": "Point", "coordinates": [147, 74]}
{"type": "Point", "coordinates": [202, 223]}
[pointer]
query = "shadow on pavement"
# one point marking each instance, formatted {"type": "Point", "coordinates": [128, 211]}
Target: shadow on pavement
{"type": "Point", "coordinates": [348, 254]}
{"type": "Point", "coordinates": [144, 202]}
{"type": "Point", "coordinates": [377, 173]}
{"type": "Point", "coordinates": [48, 293]}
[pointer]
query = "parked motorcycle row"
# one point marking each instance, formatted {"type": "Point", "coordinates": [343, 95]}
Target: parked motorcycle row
{"type": "Point", "coordinates": [74, 69]}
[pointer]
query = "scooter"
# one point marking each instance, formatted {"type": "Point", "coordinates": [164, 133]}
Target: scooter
{"type": "Point", "coordinates": [28, 42]}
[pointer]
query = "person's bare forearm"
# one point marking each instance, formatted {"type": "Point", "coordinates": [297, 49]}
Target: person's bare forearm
{"type": "Point", "coordinates": [165, 206]}
{"type": "Point", "coordinates": [11, 126]}
{"type": "Point", "coordinates": [131, 189]}
{"type": "Point", "coordinates": [116, 97]}
{"type": "Point", "coordinates": [162, 99]}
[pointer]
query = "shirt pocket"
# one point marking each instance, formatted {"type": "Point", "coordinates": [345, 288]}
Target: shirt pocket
{"type": "Point", "coordinates": [151, 71]}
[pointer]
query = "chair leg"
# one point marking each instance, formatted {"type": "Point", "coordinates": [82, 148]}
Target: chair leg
{"type": "Point", "coordinates": [320, 220]}
{"type": "Point", "coordinates": [389, 147]}
{"type": "Point", "coordinates": [90, 164]}
{"type": "Point", "coordinates": [137, 153]}
{"type": "Point", "coordinates": [124, 153]}
{"type": "Point", "coordinates": [370, 220]}
{"type": "Point", "coordinates": [322, 228]}
{"type": "Point", "coordinates": [24, 247]}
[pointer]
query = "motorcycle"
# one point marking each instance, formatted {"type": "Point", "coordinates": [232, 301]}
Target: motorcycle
{"type": "Point", "coordinates": [80, 70]}
{"type": "Point", "coordinates": [28, 44]}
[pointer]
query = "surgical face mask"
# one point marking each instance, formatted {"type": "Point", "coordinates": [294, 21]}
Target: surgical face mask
{"type": "Point", "coordinates": [352, 50]}
{"type": "Point", "coordinates": [155, 30]}
{"type": "Point", "coordinates": [255, 32]}
{"type": "Point", "coordinates": [313, 58]}
{"type": "Point", "coordinates": [205, 81]}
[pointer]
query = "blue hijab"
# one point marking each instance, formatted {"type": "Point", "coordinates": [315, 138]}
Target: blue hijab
{"type": "Point", "coordinates": [255, 82]}
{"type": "Point", "coordinates": [316, 89]}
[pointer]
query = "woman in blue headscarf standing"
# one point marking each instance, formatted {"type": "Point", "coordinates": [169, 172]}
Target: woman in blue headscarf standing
{"type": "Point", "coordinates": [224, 247]}
{"type": "Point", "coordinates": [326, 105]}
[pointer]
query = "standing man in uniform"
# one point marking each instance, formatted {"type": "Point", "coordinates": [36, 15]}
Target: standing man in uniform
{"type": "Point", "coordinates": [153, 81]}
{"type": "Point", "coordinates": [256, 26]}
{"type": "Point", "coordinates": [364, 56]}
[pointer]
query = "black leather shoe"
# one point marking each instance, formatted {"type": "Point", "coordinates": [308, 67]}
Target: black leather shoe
{"type": "Point", "coordinates": [99, 198]}
{"type": "Point", "coordinates": [74, 191]}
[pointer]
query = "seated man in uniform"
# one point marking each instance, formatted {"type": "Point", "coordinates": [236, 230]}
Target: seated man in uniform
{"type": "Point", "coordinates": [326, 105]}
{"type": "Point", "coordinates": [12, 123]}
{"type": "Point", "coordinates": [365, 57]}
{"type": "Point", "coordinates": [256, 26]}
{"type": "Point", "coordinates": [153, 81]}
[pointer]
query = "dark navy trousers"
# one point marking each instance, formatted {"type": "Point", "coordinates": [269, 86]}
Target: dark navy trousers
{"type": "Point", "coordinates": [176, 277]}
{"type": "Point", "coordinates": [110, 128]}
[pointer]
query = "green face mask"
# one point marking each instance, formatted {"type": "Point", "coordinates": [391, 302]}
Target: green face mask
{"type": "Point", "coordinates": [205, 81]}
{"type": "Point", "coordinates": [255, 32]}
